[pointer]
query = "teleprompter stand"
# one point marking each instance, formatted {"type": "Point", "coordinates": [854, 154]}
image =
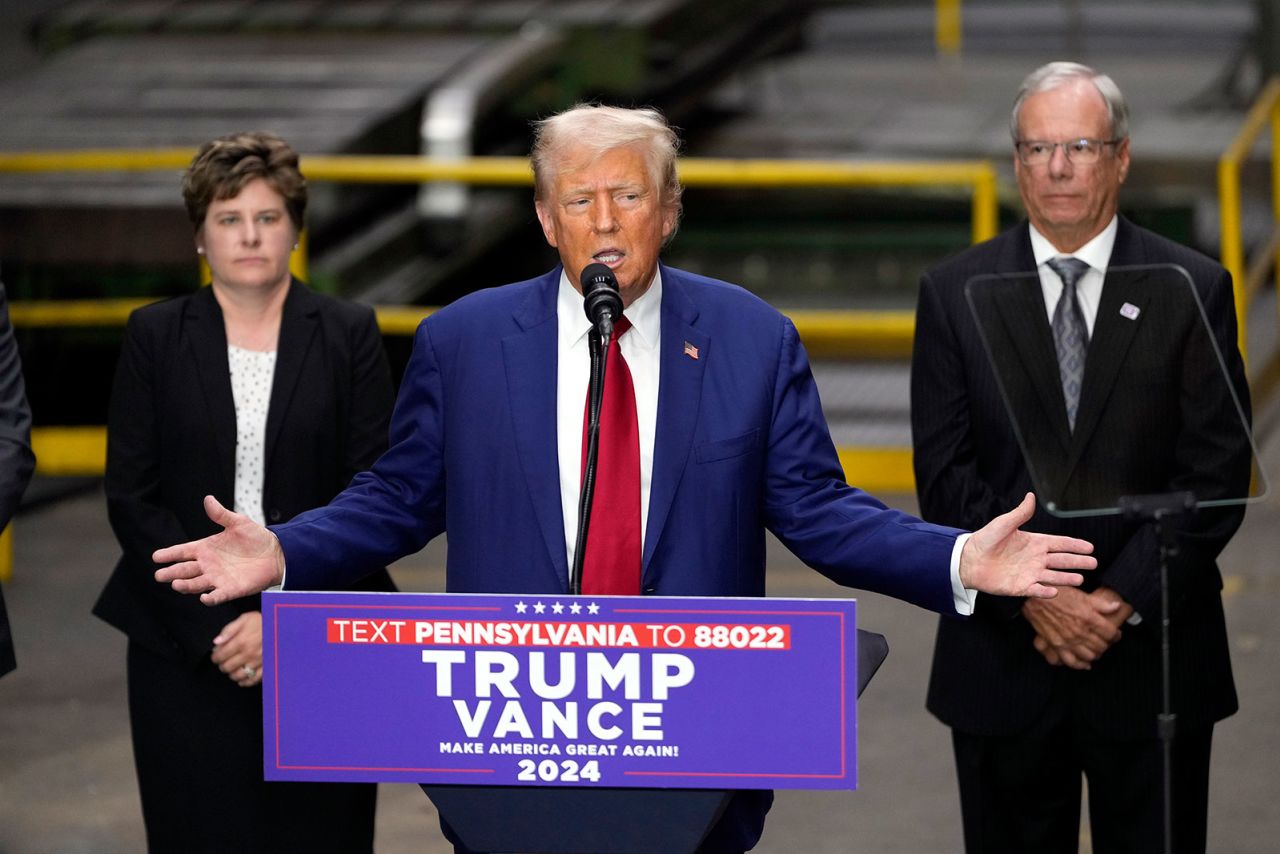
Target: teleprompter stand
{"type": "Point", "coordinates": [1163, 510]}
{"type": "Point", "coordinates": [576, 820]}
{"type": "Point", "coordinates": [1160, 373]}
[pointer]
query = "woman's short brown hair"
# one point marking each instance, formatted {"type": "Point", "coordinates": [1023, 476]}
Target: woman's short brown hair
{"type": "Point", "coordinates": [223, 166]}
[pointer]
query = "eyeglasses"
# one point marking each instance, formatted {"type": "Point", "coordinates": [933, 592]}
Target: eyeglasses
{"type": "Point", "coordinates": [1038, 152]}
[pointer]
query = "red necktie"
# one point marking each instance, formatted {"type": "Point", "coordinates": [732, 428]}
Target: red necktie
{"type": "Point", "coordinates": [612, 562]}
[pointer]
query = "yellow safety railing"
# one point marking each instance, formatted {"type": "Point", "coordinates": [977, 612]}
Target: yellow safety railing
{"type": "Point", "coordinates": [82, 450]}
{"type": "Point", "coordinates": [1248, 275]}
{"type": "Point", "coordinates": [868, 334]}
{"type": "Point", "coordinates": [979, 175]}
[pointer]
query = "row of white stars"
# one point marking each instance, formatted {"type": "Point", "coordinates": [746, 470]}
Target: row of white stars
{"type": "Point", "coordinates": [556, 608]}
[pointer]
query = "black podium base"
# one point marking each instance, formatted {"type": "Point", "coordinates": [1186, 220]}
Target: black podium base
{"type": "Point", "coordinates": [578, 821]}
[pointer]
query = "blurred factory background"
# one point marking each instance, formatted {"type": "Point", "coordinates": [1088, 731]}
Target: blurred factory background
{"type": "Point", "coordinates": [883, 131]}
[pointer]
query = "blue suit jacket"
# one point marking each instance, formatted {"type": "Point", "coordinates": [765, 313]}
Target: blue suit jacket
{"type": "Point", "coordinates": [741, 446]}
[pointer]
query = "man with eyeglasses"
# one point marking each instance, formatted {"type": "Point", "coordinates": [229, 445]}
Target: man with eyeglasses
{"type": "Point", "coordinates": [1038, 694]}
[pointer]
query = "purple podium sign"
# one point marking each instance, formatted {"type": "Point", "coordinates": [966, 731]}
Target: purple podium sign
{"type": "Point", "coordinates": [560, 690]}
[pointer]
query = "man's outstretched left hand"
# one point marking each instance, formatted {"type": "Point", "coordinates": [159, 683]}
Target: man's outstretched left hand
{"type": "Point", "coordinates": [1005, 561]}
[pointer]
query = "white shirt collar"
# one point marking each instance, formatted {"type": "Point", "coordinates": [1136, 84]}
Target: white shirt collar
{"type": "Point", "coordinates": [645, 313]}
{"type": "Point", "coordinates": [1096, 253]}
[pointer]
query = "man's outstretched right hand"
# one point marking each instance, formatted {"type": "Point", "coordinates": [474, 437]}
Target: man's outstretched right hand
{"type": "Point", "coordinates": [243, 559]}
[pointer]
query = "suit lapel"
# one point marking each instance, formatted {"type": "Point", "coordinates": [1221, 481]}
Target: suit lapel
{"type": "Point", "coordinates": [1025, 321]}
{"type": "Point", "coordinates": [298, 322]}
{"type": "Point", "coordinates": [207, 348]}
{"type": "Point", "coordinates": [530, 360]}
{"type": "Point", "coordinates": [679, 395]}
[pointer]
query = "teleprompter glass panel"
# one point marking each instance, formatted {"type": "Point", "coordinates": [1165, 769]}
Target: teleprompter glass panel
{"type": "Point", "coordinates": [1163, 404]}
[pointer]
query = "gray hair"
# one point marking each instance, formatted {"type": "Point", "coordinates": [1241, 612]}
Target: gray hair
{"type": "Point", "coordinates": [1055, 74]}
{"type": "Point", "coordinates": [598, 129]}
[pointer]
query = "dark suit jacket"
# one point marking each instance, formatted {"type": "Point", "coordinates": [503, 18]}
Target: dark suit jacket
{"type": "Point", "coordinates": [16, 460]}
{"type": "Point", "coordinates": [1155, 416]}
{"type": "Point", "coordinates": [741, 446]}
{"type": "Point", "coordinates": [172, 433]}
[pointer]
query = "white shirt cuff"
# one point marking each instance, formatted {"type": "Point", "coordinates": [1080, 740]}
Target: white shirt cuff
{"type": "Point", "coordinates": [284, 567]}
{"type": "Point", "coordinates": [964, 597]}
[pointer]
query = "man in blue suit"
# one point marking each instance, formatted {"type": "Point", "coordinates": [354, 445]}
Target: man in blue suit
{"type": "Point", "coordinates": [487, 432]}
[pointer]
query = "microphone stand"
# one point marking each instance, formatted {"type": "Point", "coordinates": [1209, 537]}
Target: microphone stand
{"type": "Point", "coordinates": [598, 347]}
{"type": "Point", "coordinates": [1163, 510]}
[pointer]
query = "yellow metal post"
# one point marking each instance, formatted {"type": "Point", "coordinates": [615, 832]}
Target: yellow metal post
{"type": "Point", "coordinates": [1262, 113]}
{"type": "Point", "coordinates": [1230, 248]}
{"type": "Point", "coordinates": [947, 29]}
{"type": "Point", "coordinates": [6, 553]}
{"type": "Point", "coordinates": [986, 205]}
{"type": "Point", "coordinates": [298, 260]}
{"type": "Point", "coordinates": [1275, 182]}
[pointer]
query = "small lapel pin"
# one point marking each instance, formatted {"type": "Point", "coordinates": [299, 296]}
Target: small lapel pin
{"type": "Point", "coordinates": [690, 351]}
{"type": "Point", "coordinates": [1130, 311]}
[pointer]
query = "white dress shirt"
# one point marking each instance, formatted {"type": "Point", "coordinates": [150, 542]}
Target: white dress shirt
{"type": "Point", "coordinates": [1096, 253]}
{"type": "Point", "coordinates": [252, 372]}
{"type": "Point", "coordinates": [640, 348]}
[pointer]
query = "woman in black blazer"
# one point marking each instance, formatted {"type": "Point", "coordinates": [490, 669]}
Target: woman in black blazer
{"type": "Point", "coordinates": [269, 397]}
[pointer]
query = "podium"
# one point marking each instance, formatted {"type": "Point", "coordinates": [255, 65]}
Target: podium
{"type": "Point", "coordinates": [613, 725]}
{"type": "Point", "coordinates": [599, 821]}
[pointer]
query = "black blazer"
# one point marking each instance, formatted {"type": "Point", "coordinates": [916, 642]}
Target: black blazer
{"type": "Point", "coordinates": [172, 433]}
{"type": "Point", "coordinates": [1154, 417]}
{"type": "Point", "coordinates": [16, 460]}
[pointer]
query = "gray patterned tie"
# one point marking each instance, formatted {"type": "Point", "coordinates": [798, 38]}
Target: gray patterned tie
{"type": "Point", "coordinates": [1070, 334]}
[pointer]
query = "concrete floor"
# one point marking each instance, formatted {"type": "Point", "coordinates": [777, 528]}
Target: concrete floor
{"type": "Point", "coordinates": [66, 774]}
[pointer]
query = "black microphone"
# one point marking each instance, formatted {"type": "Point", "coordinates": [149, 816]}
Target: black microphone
{"type": "Point", "coordinates": [602, 301]}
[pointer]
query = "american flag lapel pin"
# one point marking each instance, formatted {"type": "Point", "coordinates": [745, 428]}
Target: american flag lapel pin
{"type": "Point", "coordinates": [691, 351]}
{"type": "Point", "coordinates": [1130, 311]}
